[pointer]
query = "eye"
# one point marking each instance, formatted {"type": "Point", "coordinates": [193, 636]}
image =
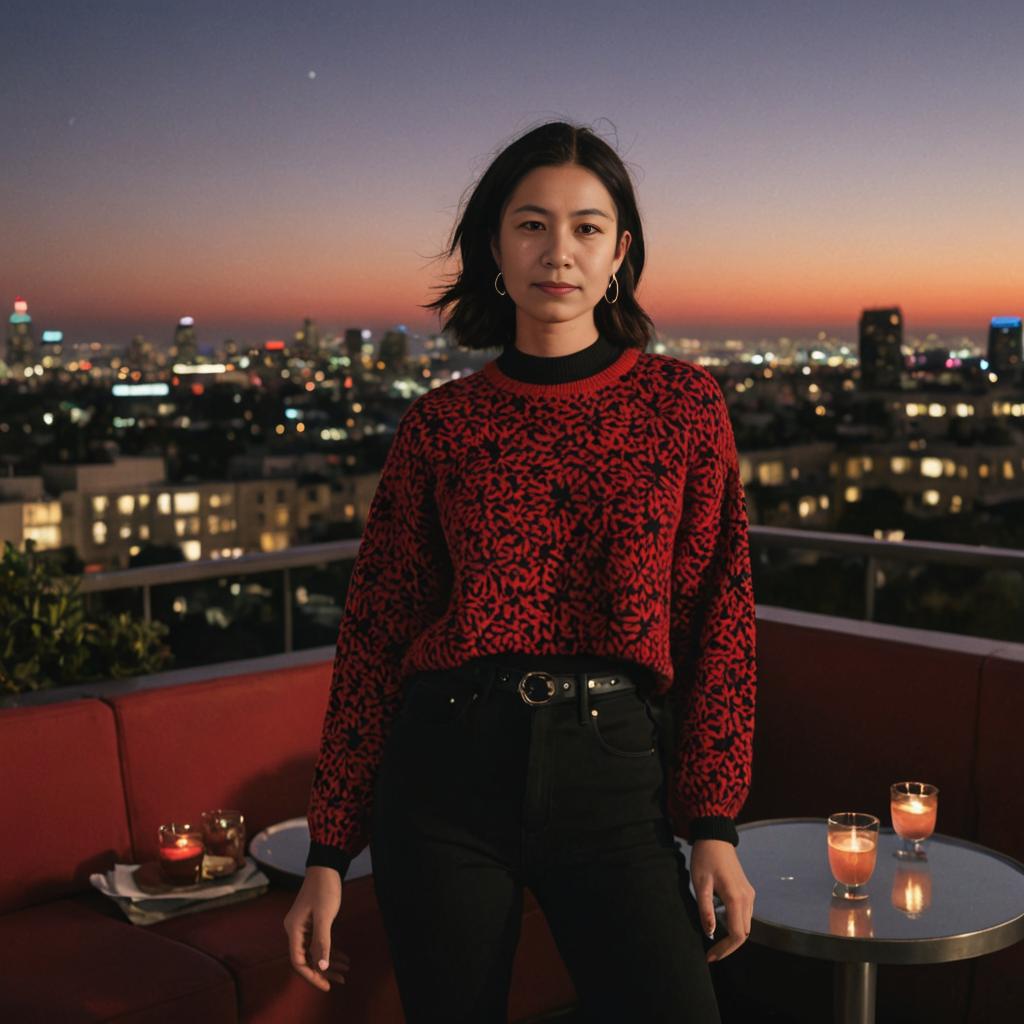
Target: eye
{"type": "Point", "coordinates": [596, 230]}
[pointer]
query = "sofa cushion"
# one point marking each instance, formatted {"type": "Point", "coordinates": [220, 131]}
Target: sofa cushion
{"type": "Point", "coordinates": [71, 961]}
{"type": "Point", "coordinates": [62, 800]}
{"type": "Point", "coordinates": [247, 742]}
{"type": "Point", "coordinates": [249, 939]}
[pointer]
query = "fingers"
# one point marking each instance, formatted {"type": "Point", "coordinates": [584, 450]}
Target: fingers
{"type": "Point", "coordinates": [297, 955]}
{"type": "Point", "coordinates": [705, 905]}
{"type": "Point", "coordinates": [739, 909]}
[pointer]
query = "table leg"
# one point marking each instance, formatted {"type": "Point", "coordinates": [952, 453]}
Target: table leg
{"type": "Point", "coordinates": [853, 990]}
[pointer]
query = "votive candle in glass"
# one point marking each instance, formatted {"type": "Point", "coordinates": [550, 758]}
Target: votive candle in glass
{"type": "Point", "coordinates": [914, 807]}
{"type": "Point", "coordinates": [181, 853]}
{"type": "Point", "coordinates": [852, 850]}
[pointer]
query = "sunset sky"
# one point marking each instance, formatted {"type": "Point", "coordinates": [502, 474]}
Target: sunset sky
{"type": "Point", "coordinates": [251, 163]}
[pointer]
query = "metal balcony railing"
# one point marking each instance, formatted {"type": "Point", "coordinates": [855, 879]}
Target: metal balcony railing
{"type": "Point", "coordinates": [277, 602]}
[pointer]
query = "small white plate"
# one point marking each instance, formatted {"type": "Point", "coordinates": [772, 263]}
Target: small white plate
{"type": "Point", "coordinates": [284, 847]}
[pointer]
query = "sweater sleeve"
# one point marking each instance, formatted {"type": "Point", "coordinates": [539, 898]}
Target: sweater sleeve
{"type": "Point", "coordinates": [713, 636]}
{"type": "Point", "coordinates": [400, 583]}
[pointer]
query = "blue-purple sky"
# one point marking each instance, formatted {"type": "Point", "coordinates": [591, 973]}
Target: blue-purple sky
{"type": "Point", "coordinates": [253, 163]}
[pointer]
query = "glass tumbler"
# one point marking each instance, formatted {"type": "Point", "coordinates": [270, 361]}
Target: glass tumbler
{"type": "Point", "coordinates": [914, 807]}
{"type": "Point", "coordinates": [852, 851]}
{"type": "Point", "coordinates": [181, 853]}
{"type": "Point", "coordinates": [224, 834]}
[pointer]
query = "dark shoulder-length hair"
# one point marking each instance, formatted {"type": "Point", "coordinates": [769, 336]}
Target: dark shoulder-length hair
{"type": "Point", "coordinates": [480, 318]}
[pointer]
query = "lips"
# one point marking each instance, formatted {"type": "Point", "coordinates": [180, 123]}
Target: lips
{"type": "Point", "coordinates": [557, 289]}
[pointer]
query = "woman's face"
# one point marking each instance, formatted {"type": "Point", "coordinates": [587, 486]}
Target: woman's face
{"type": "Point", "coordinates": [558, 225]}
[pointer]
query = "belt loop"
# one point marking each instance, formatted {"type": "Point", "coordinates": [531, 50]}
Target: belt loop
{"type": "Point", "coordinates": [584, 697]}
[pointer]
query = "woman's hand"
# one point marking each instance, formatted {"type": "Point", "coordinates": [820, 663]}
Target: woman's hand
{"type": "Point", "coordinates": [308, 926]}
{"type": "Point", "coordinates": [715, 868]}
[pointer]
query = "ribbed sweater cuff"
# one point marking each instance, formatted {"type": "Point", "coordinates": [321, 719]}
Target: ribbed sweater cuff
{"type": "Point", "coordinates": [323, 856]}
{"type": "Point", "coordinates": [714, 826]}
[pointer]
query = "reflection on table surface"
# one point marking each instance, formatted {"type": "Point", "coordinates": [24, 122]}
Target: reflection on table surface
{"type": "Point", "coordinates": [960, 888]}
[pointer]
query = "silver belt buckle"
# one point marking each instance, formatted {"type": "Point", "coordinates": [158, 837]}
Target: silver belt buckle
{"type": "Point", "coordinates": [549, 681]}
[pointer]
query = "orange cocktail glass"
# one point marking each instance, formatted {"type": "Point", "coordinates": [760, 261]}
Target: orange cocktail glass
{"type": "Point", "coordinates": [914, 807]}
{"type": "Point", "coordinates": [852, 851]}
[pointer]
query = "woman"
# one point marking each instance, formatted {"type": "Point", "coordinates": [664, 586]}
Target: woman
{"type": "Point", "coordinates": [546, 663]}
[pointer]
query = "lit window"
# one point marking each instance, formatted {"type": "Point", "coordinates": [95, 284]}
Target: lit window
{"type": "Point", "coordinates": [852, 494]}
{"type": "Point", "coordinates": [930, 497]}
{"type": "Point", "coordinates": [99, 504]}
{"type": "Point", "coordinates": [125, 533]}
{"type": "Point", "coordinates": [186, 501]}
{"type": "Point", "coordinates": [143, 531]}
{"type": "Point", "coordinates": [931, 467]}
{"type": "Point", "coordinates": [99, 532]}
{"type": "Point", "coordinates": [143, 501]}
{"type": "Point", "coordinates": [192, 550]}
{"type": "Point", "coordinates": [163, 504]}
{"type": "Point", "coordinates": [126, 504]}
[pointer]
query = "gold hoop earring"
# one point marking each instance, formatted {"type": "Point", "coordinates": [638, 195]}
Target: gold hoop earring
{"type": "Point", "coordinates": [611, 302]}
{"type": "Point", "coordinates": [496, 288]}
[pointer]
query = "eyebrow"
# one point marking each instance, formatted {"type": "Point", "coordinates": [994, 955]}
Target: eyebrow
{"type": "Point", "coordinates": [593, 212]}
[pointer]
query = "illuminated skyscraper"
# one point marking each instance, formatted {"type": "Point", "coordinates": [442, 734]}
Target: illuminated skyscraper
{"type": "Point", "coordinates": [354, 339]}
{"type": "Point", "coordinates": [307, 341]}
{"type": "Point", "coordinates": [1004, 344]}
{"type": "Point", "coordinates": [21, 342]}
{"type": "Point", "coordinates": [184, 348]}
{"type": "Point", "coordinates": [881, 345]}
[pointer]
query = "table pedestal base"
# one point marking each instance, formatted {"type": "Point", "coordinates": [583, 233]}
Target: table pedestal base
{"type": "Point", "coordinates": [853, 990]}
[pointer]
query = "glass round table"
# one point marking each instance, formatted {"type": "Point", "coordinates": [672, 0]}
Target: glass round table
{"type": "Point", "coordinates": [964, 900]}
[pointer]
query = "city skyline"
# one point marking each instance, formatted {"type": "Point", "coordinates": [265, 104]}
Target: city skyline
{"type": "Point", "coordinates": [793, 166]}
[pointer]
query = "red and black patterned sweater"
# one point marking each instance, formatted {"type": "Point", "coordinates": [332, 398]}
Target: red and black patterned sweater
{"type": "Point", "coordinates": [602, 515]}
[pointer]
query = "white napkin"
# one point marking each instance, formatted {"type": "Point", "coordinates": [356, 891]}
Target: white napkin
{"type": "Point", "coordinates": [119, 883]}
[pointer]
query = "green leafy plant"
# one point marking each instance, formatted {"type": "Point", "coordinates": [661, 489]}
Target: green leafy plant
{"type": "Point", "coordinates": [47, 638]}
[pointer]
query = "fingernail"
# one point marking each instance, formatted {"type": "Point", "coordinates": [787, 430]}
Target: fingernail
{"type": "Point", "coordinates": [322, 965]}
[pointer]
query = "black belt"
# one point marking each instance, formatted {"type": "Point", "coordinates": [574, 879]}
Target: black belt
{"type": "Point", "coordinates": [538, 688]}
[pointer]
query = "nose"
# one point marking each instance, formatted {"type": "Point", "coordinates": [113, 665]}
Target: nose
{"type": "Point", "coordinates": [557, 254]}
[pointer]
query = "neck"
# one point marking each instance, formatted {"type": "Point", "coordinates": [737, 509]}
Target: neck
{"type": "Point", "coordinates": [534, 369]}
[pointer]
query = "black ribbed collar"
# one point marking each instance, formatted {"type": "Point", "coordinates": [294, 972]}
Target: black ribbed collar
{"type": "Point", "coordinates": [520, 365]}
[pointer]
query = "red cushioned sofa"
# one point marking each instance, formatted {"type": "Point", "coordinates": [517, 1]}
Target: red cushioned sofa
{"type": "Point", "coordinates": [87, 781]}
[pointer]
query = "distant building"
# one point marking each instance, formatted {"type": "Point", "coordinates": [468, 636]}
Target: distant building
{"type": "Point", "coordinates": [394, 350]}
{"type": "Point", "coordinates": [21, 341]}
{"type": "Point", "coordinates": [139, 354]}
{"type": "Point", "coordinates": [1004, 344]}
{"type": "Point", "coordinates": [307, 341]}
{"type": "Point", "coordinates": [881, 348]}
{"type": "Point", "coordinates": [184, 348]}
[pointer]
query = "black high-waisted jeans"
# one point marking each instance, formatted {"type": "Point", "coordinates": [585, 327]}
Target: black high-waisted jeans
{"type": "Point", "coordinates": [477, 797]}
